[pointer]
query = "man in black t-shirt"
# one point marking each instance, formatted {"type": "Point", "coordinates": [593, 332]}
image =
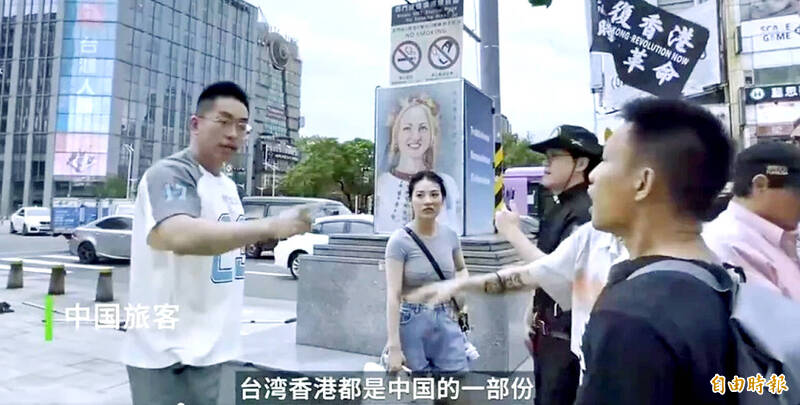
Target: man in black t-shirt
{"type": "Point", "coordinates": [572, 152]}
{"type": "Point", "coordinates": [659, 338]}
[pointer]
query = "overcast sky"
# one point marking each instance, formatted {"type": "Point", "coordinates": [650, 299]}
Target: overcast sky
{"type": "Point", "coordinates": [344, 46]}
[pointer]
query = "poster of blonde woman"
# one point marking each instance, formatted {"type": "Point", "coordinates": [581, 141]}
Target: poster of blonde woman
{"type": "Point", "coordinates": [418, 128]}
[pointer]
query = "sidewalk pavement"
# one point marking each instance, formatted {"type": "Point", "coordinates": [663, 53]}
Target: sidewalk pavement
{"type": "Point", "coordinates": [82, 365]}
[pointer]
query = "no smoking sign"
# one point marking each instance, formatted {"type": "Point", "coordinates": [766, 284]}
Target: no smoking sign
{"type": "Point", "coordinates": [406, 56]}
{"type": "Point", "coordinates": [443, 52]}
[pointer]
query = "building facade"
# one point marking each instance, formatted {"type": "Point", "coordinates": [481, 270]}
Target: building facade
{"type": "Point", "coordinates": [764, 68]}
{"type": "Point", "coordinates": [92, 89]}
{"type": "Point", "coordinates": [277, 111]}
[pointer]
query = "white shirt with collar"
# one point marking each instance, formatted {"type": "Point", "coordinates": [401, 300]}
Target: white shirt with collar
{"type": "Point", "coordinates": [575, 273]}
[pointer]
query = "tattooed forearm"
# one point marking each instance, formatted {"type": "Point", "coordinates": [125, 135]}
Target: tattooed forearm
{"type": "Point", "coordinates": [502, 283]}
{"type": "Point", "coordinates": [513, 281]}
{"type": "Point", "coordinates": [493, 286]}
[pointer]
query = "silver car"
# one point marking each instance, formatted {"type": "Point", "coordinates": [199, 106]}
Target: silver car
{"type": "Point", "coordinates": [107, 238]}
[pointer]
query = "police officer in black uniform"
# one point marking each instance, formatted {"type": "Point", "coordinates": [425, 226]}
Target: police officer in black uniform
{"type": "Point", "coordinates": [572, 152]}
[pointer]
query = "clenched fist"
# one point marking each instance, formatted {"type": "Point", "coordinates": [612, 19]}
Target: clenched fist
{"type": "Point", "coordinates": [293, 221]}
{"type": "Point", "coordinates": [507, 222]}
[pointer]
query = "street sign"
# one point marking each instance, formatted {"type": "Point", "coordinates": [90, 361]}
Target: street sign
{"type": "Point", "coordinates": [770, 34]}
{"type": "Point", "coordinates": [767, 94]}
{"type": "Point", "coordinates": [432, 26]}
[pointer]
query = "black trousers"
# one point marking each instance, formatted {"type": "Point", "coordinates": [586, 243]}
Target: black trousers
{"type": "Point", "coordinates": [556, 371]}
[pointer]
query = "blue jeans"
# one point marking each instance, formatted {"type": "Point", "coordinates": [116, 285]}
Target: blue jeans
{"type": "Point", "coordinates": [431, 338]}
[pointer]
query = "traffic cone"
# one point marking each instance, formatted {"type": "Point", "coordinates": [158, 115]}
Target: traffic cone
{"type": "Point", "coordinates": [57, 278]}
{"type": "Point", "coordinates": [15, 276]}
{"type": "Point", "coordinates": [105, 286]}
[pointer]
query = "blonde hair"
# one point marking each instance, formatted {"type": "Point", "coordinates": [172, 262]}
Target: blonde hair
{"type": "Point", "coordinates": [431, 110]}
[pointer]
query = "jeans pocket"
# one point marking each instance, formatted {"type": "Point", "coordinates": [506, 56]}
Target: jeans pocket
{"type": "Point", "coordinates": [405, 315]}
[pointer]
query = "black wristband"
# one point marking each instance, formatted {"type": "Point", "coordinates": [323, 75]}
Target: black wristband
{"type": "Point", "coordinates": [500, 281]}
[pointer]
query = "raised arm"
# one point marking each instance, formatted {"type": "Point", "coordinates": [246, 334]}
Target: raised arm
{"type": "Point", "coordinates": [507, 224]}
{"type": "Point", "coordinates": [186, 235]}
{"type": "Point", "coordinates": [169, 204]}
{"type": "Point", "coordinates": [553, 272]}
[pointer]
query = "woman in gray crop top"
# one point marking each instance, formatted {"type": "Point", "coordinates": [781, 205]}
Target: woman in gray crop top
{"type": "Point", "coordinates": [421, 337]}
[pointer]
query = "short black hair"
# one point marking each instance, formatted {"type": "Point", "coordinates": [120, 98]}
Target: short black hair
{"type": "Point", "coordinates": [742, 186]}
{"type": "Point", "coordinates": [427, 175]}
{"type": "Point", "coordinates": [688, 143]}
{"type": "Point", "coordinates": [221, 89]}
{"type": "Point", "coordinates": [758, 158]}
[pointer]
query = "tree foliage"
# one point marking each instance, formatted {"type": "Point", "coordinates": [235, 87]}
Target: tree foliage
{"type": "Point", "coordinates": [330, 169]}
{"type": "Point", "coordinates": [517, 152]}
{"type": "Point", "coordinates": [113, 187]}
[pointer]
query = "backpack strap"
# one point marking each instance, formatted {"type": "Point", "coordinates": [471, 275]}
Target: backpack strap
{"type": "Point", "coordinates": [685, 267]}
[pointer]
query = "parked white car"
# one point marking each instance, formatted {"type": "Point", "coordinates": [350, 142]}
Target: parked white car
{"type": "Point", "coordinates": [31, 220]}
{"type": "Point", "coordinates": [288, 251]}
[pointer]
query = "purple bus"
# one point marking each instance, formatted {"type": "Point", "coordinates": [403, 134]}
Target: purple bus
{"type": "Point", "coordinates": [524, 193]}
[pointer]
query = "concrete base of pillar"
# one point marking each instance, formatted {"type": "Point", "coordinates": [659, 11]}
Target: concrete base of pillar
{"type": "Point", "coordinates": [57, 280]}
{"type": "Point", "coordinates": [341, 300]}
{"type": "Point", "coordinates": [15, 276]}
{"type": "Point", "coordinates": [105, 287]}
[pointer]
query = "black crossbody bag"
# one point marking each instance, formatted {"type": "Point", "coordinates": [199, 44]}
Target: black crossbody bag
{"type": "Point", "coordinates": [463, 317]}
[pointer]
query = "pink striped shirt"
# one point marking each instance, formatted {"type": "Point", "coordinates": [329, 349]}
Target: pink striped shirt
{"type": "Point", "coordinates": [766, 252]}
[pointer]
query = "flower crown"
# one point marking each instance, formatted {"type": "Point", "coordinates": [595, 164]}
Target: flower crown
{"type": "Point", "coordinates": [408, 102]}
{"type": "Point", "coordinates": [426, 101]}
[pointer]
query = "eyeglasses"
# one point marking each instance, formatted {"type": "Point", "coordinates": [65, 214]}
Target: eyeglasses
{"type": "Point", "coordinates": [553, 156]}
{"type": "Point", "coordinates": [242, 128]}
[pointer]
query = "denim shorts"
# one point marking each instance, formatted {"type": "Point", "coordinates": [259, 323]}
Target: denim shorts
{"type": "Point", "coordinates": [431, 339]}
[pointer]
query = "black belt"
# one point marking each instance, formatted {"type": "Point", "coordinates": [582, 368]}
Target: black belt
{"type": "Point", "coordinates": [543, 329]}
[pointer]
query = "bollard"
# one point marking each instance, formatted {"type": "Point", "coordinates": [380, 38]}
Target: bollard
{"type": "Point", "coordinates": [15, 276]}
{"type": "Point", "coordinates": [57, 276]}
{"type": "Point", "coordinates": [105, 286]}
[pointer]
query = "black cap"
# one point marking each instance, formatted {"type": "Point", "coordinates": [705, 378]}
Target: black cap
{"type": "Point", "coordinates": [779, 161]}
{"type": "Point", "coordinates": [578, 141]}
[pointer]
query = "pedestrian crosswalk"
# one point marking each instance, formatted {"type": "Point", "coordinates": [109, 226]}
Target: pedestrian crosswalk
{"type": "Point", "coordinates": [44, 263]}
{"type": "Point", "coordinates": [30, 269]}
{"type": "Point", "coordinates": [50, 263]}
{"type": "Point", "coordinates": [61, 257]}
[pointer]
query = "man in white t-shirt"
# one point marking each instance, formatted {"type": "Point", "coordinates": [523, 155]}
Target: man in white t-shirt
{"type": "Point", "coordinates": [187, 263]}
{"type": "Point", "coordinates": [573, 275]}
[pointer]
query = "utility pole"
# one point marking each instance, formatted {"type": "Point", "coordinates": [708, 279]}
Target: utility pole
{"type": "Point", "coordinates": [129, 148]}
{"type": "Point", "coordinates": [267, 155]}
{"type": "Point", "coordinates": [490, 53]}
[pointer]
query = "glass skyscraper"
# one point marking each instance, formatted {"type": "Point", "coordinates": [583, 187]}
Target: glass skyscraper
{"type": "Point", "coordinates": [88, 85]}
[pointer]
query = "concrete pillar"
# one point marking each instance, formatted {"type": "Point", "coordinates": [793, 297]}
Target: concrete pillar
{"type": "Point", "coordinates": [490, 52]}
{"type": "Point", "coordinates": [105, 286]}
{"type": "Point", "coordinates": [27, 191]}
{"type": "Point", "coordinates": [57, 280]}
{"type": "Point", "coordinates": [736, 80]}
{"type": "Point", "coordinates": [5, 192]}
{"type": "Point", "coordinates": [15, 276]}
{"type": "Point", "coordinates": [47, 195]}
